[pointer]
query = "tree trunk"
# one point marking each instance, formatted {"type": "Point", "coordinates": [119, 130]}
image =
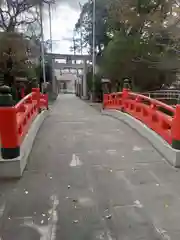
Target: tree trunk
{"type": "Point", "coordinates": [11, 26]}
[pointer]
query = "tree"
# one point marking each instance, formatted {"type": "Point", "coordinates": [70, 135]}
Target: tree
{"type": "Point", "coordinates": [14, 14]}
{"type": "Point", "coordinates": [85, 24]}
{"type": "Point", "coordinates": [142, 46]}
{"type": "Point", "coordinates": [19, 13]}
{"type": "Point", "coordinates": [16, 54]}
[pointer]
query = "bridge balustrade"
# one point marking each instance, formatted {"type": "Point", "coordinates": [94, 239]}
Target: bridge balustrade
{"type": "Point", "coordinates": [16, 120]}
{"type": "Point", "coordinates": [158, 116]}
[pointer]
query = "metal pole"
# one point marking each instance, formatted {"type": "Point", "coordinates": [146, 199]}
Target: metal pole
{"type": "Point", "coordinates": [42, 44]}
{"type": "Point", "coordinates": [94, 49]}
{"type": "Point", "coordinates": [74, 48]}
{"type": "Point", "coordinates": [81, 27]}
{"type": "Point", "coordinates": [50, 26]}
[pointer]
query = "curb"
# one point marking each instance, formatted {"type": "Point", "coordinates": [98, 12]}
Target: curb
{"type": "Point", "coordinates": [170, 154]}
{"type": "Point", "coordinates": [14, 168]}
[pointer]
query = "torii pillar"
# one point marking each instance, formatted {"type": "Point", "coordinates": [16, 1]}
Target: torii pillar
{"type": "Point", "coordinates": [54, 81]}
{"type": "Point", "coordinates": [84, 80]}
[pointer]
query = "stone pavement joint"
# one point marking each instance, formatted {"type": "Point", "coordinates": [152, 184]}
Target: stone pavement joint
{"type": "Point", "coordinates": [90, 177]}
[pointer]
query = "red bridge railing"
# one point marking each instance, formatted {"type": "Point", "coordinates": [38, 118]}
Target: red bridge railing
{"type": "Point", "coordinates": [160, 117]}
{"type": "Point", "coordinates": [15, 121]}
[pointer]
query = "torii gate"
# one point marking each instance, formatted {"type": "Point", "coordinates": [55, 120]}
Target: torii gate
{"type": "Point", "coordinates": [69, 58]}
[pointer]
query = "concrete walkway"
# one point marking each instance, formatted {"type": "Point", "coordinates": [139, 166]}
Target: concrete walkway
{"type": "Point", "coordinates": [91, 177]}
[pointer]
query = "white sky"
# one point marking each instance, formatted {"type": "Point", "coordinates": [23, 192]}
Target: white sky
{"type": "Point", "coordinates": [64, 17]}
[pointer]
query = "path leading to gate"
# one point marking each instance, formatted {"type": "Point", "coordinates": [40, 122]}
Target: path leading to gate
{"type": "Point", "coordinates": [91, 177]}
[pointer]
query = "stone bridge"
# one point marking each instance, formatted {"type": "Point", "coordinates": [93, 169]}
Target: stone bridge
{"type": "Point", "coordinates": [88, 176]}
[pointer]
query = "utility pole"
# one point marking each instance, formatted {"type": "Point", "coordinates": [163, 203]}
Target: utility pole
{"type": "Point", "coordinates": [50, 25]}
{"type": "Point", "coordinates": [74, 47]}
{"type": "Point", "coordinates": [94, 49]}
{"type": "Point", "coordinates": [80, 27]}
{"type": "Point", "coordinates": [74, 44]}
{"type": "Point", "coordinates": [42, 44]}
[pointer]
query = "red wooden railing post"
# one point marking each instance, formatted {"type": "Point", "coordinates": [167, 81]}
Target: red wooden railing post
{"type": "Point", "coordinates": [175, 129]}
{"type": "Point", "coordinates": [126, 89]}
{"type": "Point", "coordinates": [125, 93]}
{"type": "Point", "coordinates": [37, 97]}
{"type": "Point", "coordinates": [8, 125]}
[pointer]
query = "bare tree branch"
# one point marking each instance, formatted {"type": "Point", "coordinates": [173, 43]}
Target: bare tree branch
{"type": "Point", "coordinates": [18, 12]}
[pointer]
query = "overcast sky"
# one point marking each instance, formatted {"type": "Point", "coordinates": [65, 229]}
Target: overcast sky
{"type": "Point", "coordinates": [64, 17]}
